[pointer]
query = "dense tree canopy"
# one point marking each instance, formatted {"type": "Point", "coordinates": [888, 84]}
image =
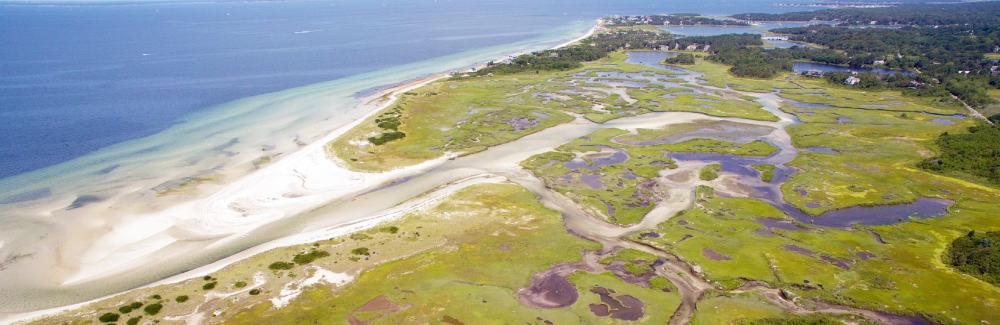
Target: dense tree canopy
{"type": "Point", "coordinates": [976, 153]}
{"type": "Point", "coordinates": [977, 254]}
{"type": "Point", "coordinates": [987, 12]}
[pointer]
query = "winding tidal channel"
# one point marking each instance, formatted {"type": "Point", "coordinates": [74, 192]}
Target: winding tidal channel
{"type": "Point", "coordinates": [738, 180]}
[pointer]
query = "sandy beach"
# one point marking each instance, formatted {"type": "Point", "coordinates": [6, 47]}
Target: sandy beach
{"type": "Point", "coordinates": [293, 184]}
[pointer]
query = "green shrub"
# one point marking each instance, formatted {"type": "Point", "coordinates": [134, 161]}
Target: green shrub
{"type": "Point", "coordinates": [153, 309]}
{"type": "Point", "coordinates": [181, 298]}
{"type": "Point", "coordinates": [391, 230]}
{"type": "Point", "coordinates": [276, 266]}
{"type": "Point", "coordinates": [254, 292]}
{"type": "Point", "coordinates": [360, 251]}
{"type": "Point", "coordinates": [209, 286]}
{"type": "Point", "coordinates": [125, 309]}
{"type": "Point", "coordinates": [386, 137]}
{"type": "Point", "coordinates": [133, 321]}
{"type": "Point", "coordinates": [156, 297]}
{"type": "Point", "coordinates": [307, 258]}
{"type": "Point", "coordinates": [108, 318]}
{"type": "Point", "coordinates": [207, 278]}
{"type": "Point", "coordinates": [239, 284]}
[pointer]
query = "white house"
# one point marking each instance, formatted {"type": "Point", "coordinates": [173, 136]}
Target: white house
{"type": "Point", "coordinates": [692, 47]}
{"type": "Point", "coordinates": [852, 80]}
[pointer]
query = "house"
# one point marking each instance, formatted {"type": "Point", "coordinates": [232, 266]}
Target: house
{"type": "Point", "coordinates": [692, 47]}
{"type": "Point", "coordinates": [879, 62]}
{"type": "Point", "coordinates": [852, 80]}
{"type": "Point", "coordinates": [554, 55]}
{"type": "Point", "coordinates": [965, 72]}
{"type": "Point", "coordinates": [706, 47]}
{"type": "Point", "coordinates": [664, 47]}
{"type": "Point", "coordinates": [813, 73]}
{"type": "Point", "coordinates": [995, 70]}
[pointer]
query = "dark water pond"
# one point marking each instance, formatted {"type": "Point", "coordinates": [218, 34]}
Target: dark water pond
{"type": "Point", "coordinates": [821, 150]}
{"type": "Point", "coordinates": [592, 180]}
{"type": "Point", "coordinates": [652, 59]}
{"type": "Point", "coordinates": [924, 208]}
{"type": "Point", "coordinates": [758, 28]}
{"type": "Point", "coordinates": [615, 158]}
{"type": "Point", "coordinates": [739, 165]}
{"type": "Point", "coordinates": [806, 105]}
{"type": "Point", "coordinates": [806, 66]}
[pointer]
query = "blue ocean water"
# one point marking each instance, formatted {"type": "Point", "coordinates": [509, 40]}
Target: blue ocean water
{"type": "Point", "coordinates": [108, 102]}
{"type": "Point", "coordinates": [76, 78]}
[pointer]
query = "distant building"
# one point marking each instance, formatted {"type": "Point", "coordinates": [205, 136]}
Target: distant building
{"type": "Point", "coordinates": [813, 73]}
{"type": "Point", "coordinates": [965, 72]}
{"type": "Point", "coordinates": [554, 55]}
{"type": "Point", "coordinates": [879, 62]}
{"type": "Point", "coordinates": [692, 47]}
{"type": "Point", "coordinates": [995, 70]}
{"type": "Point", "coordinates": [852, 80]}
{"type": "Point", "coordinates": [706, 47]}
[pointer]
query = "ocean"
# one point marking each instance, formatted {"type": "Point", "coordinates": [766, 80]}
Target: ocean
{"type": "Point", "coordinates": [113, 101]}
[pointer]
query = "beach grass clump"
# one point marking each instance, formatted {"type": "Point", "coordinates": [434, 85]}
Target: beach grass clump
{"type": "Point", "coordinates": [153, 309]}
{"type": "Point", "coordinates": [209, 286]}
{"type": "Point", "coordinates": [254, 292]}
{"type": "Point", "coordinates": [279, 266]}
{"type": "Point", "coordinates": [239, 284]}
{"type": "Point", "coordinates": [130, 307]}
{"type": "Point", "coordinates": [109, 318]}
{"type": "Point", "coordinates": [181, 299]}
{"type": "Point", "coordinates": [360, 251]}
{"type": "Point", "coordinates": [710, 172]}
{"type": "Point", "coordinates": [133, 320]}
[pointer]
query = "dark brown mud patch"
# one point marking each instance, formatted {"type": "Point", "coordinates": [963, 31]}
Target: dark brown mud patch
{"type": "Point", "coordinates": [622, 307]}
{"type": "Point", "coordinates": [451, 320]}
{"type": "Point", "coordinates": [548, 289]}
{"type": "Point", "coordinates": [379, 305]}
{"type": "Point", "coordinates": [713, 255]}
